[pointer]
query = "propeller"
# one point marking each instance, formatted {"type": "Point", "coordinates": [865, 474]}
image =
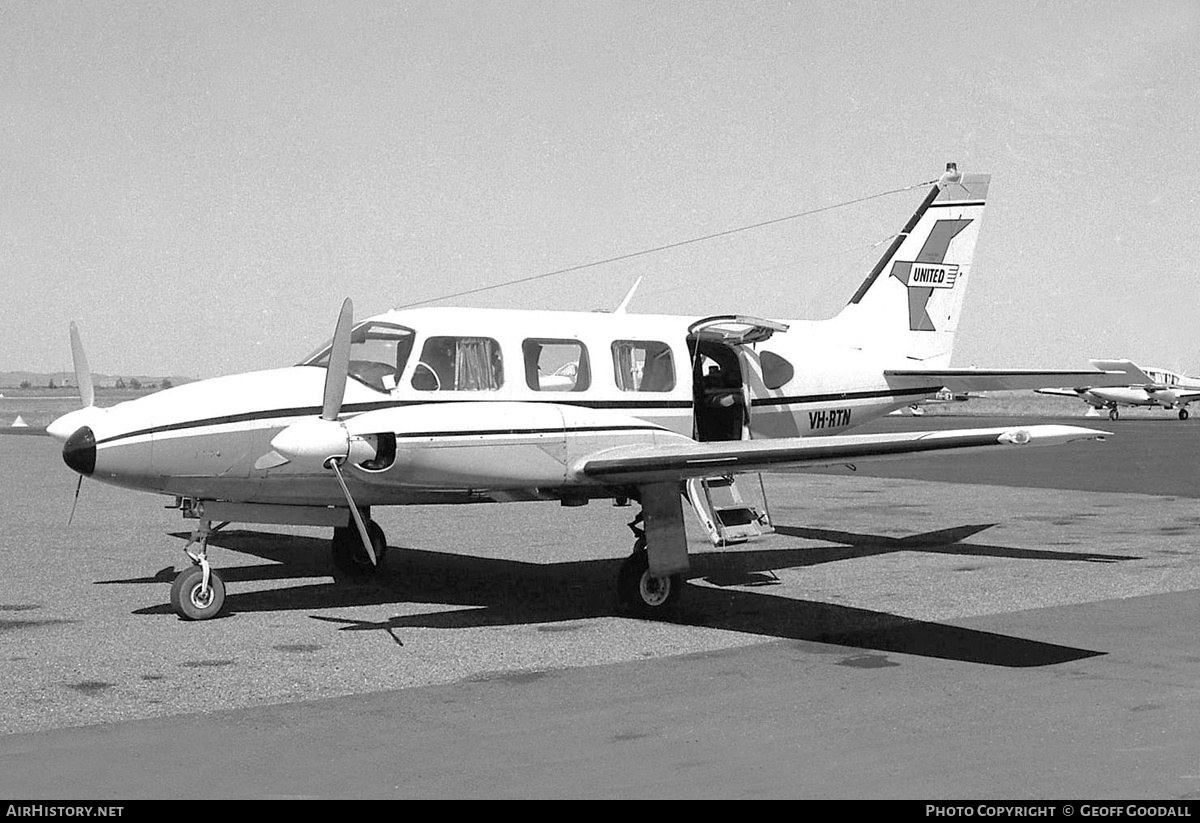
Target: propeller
{"type": "Point", "coordinates": [324, 441]}
{"type": "Point", "coordinates": [62, 428]}
{"type": "Point", "coordinates": [83, 375]}
{"type": "Point", "coordinates": [68, 425]}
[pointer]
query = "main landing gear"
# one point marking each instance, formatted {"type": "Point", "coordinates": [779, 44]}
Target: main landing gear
{"type": "Point", "coordinates": [639, 592]}
{"type": "Point", "coordinates": [350, 556]}
{"type": "Point", "coordinates": [1183, 414]}
{"type": "Point", "coordinates": [1113, 414]}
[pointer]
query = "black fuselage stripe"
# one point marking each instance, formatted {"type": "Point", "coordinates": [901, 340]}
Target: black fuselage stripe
{"type": "Point", "coordinates": [445, 433]}
{"type": "Point", "coordinates": [840, 396]}
{"type": "Point", "coordinates": [518, 432]}
{"type": "Point", "coordinates": [307, 411]}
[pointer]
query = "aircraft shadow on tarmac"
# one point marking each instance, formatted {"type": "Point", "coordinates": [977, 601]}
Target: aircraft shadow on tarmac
{"type": "Point", "coordinates": [509, 592]}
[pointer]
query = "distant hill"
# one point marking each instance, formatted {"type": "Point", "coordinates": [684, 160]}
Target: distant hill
{"type": "Point", "coordinates": [41, 380]}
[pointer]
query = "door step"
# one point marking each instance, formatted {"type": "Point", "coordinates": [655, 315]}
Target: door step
{"type": "Point", "coordinates": [725, 514]}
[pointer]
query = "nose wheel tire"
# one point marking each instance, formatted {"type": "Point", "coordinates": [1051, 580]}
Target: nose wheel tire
{"type": "Point", "coordinates": [644, 595]}
{"type": "Point", "coordinates": [1113, 414]}
{"type": "Point", "coordinates": [191, 601]}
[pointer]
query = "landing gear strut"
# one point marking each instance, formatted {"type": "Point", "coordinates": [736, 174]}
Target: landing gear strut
{"type": "Point", "coordinates": [639, 592]}
{"type": "Point", "coordinates": [198, 592]}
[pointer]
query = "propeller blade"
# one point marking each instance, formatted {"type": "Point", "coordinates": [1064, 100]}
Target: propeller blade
{"type": "Point", "coordinates": [83, 375]}
{"type": "Point", "coordinates": [76, 503]}
{"type": "Point", "coordinates": [325, 438]}
{"type": "Point", "coordinates": [358, 521]}
{"type": "Point", "coordinates": [339, 363]}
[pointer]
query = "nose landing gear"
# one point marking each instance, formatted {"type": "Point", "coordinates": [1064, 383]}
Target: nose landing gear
{"type": "Point", "coordinates": [198, 592]}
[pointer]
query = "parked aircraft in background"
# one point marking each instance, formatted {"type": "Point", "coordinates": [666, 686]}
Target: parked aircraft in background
{"type": "Point", "coordinates": [457, 405]}
{"type": "Point", "coordinates": [943, 396]}
{"type": "Point", "coordinates": [1148, 387]}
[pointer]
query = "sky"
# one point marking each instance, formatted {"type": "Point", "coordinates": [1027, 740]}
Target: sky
{"type": "Point", "coordinates": [200, 184]}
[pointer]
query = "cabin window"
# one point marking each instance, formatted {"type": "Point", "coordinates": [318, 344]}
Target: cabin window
{"type": "Point", "coordinates": [643, 366]}
{"type": "Point", "coordinates": [459, 364]}
{"type": "Point", "coordinates": [378, 354]}
{"type": "Point", "coordinates": [775, 370]}
{"type": "Point", "coordinates": [556, 365]}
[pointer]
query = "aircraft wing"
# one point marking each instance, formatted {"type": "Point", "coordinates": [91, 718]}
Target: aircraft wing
{"type": "Point", "coordinates": [638, 463]}
{"type": "Point", "coordinates": [967, 380]}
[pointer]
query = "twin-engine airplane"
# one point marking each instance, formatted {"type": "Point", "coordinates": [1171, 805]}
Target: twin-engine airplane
{"type": "Point", "coordinates": [1147, 387]}
{"type": "Point", "coordinates": [454, 405]}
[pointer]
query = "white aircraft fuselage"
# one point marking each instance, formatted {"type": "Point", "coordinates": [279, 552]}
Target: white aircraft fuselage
{"type": "Point", "coordinates": [1131, 396]}
{"type": "Point", "coordinates": [202, 439]}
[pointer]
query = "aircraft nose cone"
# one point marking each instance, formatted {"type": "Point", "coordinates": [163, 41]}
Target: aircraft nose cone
{"type": "Point", "coordinates": [79, 452]}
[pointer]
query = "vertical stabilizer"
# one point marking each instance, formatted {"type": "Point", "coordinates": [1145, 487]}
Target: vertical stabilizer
{"type": "Point", "coordinates": [912, 299]}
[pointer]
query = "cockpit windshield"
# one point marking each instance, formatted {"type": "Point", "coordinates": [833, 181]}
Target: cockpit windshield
{"type": "Point", "coordinates": [378, 354]}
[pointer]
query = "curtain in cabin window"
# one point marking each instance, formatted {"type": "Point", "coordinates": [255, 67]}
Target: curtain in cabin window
{"type": "Point", "coordinates": [477, 364]}
{"type": "Point", "coordinates": [626, 367]}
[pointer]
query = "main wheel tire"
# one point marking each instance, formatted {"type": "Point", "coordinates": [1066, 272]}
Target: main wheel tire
{"type": "Point", "coordinates": [188, 599]}
{"type": "Point", "coordinates": [643, 594]}
{"type": "Point", "coordinates": [1113, 414]}
{"type": "Point", "coordinates": [350, 558]}
{"type": "Point", "coordinates": [1183, 414]}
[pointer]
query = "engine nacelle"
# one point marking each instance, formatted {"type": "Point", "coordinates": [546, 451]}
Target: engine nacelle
{"type": "Point", "coordinates": [496, 445]}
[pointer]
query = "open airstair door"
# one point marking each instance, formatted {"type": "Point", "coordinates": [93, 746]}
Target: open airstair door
{"type": "Point", "coordinates": [726, 515]}
{"type": "Point", "coordinates": [718, 346]}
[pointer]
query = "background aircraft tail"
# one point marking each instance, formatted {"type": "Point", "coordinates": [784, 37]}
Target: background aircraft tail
{"type": "Point", "coordinates": [911, 301]}
{"type": "Point", "coordinates": [1136, 375]}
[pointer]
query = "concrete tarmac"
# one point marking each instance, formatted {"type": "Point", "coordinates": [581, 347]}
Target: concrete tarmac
{"type": "Point", "coordinates": [1011, 626]}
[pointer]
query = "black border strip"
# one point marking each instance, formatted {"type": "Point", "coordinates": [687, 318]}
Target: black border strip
{"type": "Point", "coordinates": [951, 204]}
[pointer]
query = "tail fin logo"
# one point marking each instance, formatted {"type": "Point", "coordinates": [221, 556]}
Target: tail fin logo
{"type": "Point", "coordinates": [929, 272]}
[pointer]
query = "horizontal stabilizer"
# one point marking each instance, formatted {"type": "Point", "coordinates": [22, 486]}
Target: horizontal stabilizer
{"type": "Point", "coordinates": [1133, 374]}
{"type": "Point", "coordinates": [1059, 392]}
{"type": "Point", "coordinates": [642, 463]}
{"type": "Point", "coordinates": [963, 380]}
